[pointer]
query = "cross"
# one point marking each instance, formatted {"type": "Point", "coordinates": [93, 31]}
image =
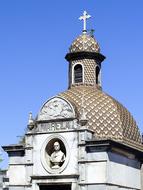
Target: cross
{"type": "Point", "coordinates": [84, 17]}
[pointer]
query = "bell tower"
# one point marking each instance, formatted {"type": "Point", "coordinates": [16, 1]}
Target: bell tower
{"type": "Point", "coordinates": [85, 59]}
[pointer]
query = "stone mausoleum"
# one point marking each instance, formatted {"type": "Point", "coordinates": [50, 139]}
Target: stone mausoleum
{"type": "Point", "coordinates": [81, 139]}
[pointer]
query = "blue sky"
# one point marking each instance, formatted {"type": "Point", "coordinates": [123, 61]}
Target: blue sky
{"type": "Point", "coordinates": [34, 39]}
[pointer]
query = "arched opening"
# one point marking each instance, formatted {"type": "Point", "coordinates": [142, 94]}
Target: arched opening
{"type": "Point", "coordinates": [78, 73]}
{"type": "Point", "coordinates": [97, 74]}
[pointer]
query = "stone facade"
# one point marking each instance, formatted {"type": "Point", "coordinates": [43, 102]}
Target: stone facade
{"type": "Point", "coordinates": [88, 163]}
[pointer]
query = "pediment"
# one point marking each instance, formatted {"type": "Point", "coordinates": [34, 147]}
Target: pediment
{"type": "Point", "coordinates": [56, 108]}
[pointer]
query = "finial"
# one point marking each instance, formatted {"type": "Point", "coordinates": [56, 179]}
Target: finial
{"type": "Point", "coordinates": [92, 32]}
{"type": "Point", "coordinates": [30, 118]}
{"type": "Point", "coordinates": [83, 120]}
{"type": "Point", "coordinates": [84, 17]}
{"type": "Point", "coordinates": [30, 121]}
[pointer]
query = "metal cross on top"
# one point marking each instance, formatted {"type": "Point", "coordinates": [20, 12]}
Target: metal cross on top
{"type": "Point", "coordinates": [84, 18]}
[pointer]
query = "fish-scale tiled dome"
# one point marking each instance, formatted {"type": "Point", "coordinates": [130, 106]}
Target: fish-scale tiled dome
{"type": "Point", "coordinates": [85, 42]}
{"type": "Point", "coordinates": [106, 116]}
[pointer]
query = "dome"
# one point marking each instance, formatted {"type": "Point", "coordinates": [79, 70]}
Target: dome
{"type": "Point", "coordinates": [106, 117]}
{"type": "Point", "coordinates": [85, 42]}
